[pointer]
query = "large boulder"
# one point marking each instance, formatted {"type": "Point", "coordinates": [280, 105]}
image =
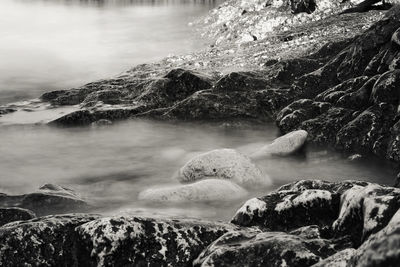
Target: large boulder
{"type": "Point", "coordinates": [282, 146]}
{"type": "Point", "coordinates": [223, 164]}
{"type": "Point", "coordinates": [204, 190]}
{"type": "Point", "coordinates": [49, 199]}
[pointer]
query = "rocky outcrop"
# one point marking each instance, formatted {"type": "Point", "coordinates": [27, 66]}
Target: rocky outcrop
{"type": "Point", "coordinates": [49, 199]}
{"type": "Point", "coordinates": [86, 240]}
{"type": "Point", "coordinates": [353, 209]}
{"type": "Point", "coordinates": [307, 222]}
{"type": "Point", "coordinates": [354, 107]}
{"type": "Point", "coordinates": [223, 164]}
{"type": "Point", "coordinates": [205, 190]}
{"type": "Point", "coordinates": [15, 214]}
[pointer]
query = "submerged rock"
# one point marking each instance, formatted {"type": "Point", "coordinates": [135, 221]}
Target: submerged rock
{"type": "Point", "coordinates": [49, 199]}
{"type": "Point", "coordinates": [205, 190]}
{"type": "Point", "coordinates": [223, 164]}
{"type": "Point", "coordinates": [8, 215]}
{"type": "Point", "coordinates": [283, 146]}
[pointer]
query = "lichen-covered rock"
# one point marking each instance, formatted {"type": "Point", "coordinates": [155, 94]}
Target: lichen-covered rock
{"type": "Point", "coordinates": [366, 210]}
{"type": "Point", "coordinates": [135, 241]}
{"type": "Point", "coordinates": [381, 248]}
{"type": "Point", "coordinates": [287, 210]}
{"type": "Point", "coordinates": [15, 214]}
{"type": "Point", "coordinates": [204, 190]}
{"type": "Point", "coordinates": [360, 88]}
{"type": "Point", "coordinates": [223, 164]}
{"type": "Point", "coordinates": [255, 248]}
{"type": "Point", "coordinates": [45, 241]}
{"type": "Point", "coordinates": [49, 199]}
{"type": "Point", "coordinates": [283, 146]}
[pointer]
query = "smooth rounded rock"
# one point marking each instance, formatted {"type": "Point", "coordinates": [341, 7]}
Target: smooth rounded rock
{"type": "Point", "coordinates": [283, 146]}
{"type": "Point", "coordinates": [205, 190]}
{"type": "Point", "coordinates": [223, 164]}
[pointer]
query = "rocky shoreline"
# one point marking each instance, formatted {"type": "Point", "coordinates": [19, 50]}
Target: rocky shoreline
{"type": "Point", "coordinates": [336, 86]}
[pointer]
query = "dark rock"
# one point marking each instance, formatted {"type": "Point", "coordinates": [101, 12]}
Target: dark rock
{"type": "Point", "coordinates": [49, 199]}
{"type": "Point", "coordinates": [15, 214]}
{"type": "Point", "coordinates": [382, 248]}
{"type": "Point", "coordinates": [255, 248]}
{"type": "Point", "coordinates": [136, 241]}
{"type": "Point", "coordinates": [285, 210]}
{"type": "Point", "coordinates": [45, 241]}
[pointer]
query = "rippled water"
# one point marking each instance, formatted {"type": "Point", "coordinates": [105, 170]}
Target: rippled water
{"type": "Point", "coordinates": [111, 165]}
{"type": "Point", "coordinates": [58, 44]}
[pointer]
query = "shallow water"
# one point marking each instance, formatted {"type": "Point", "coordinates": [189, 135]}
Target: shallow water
{"type": "Point", "coordinates": [59, 44]}
{"type": "Point", "coordinates": [110, 165]}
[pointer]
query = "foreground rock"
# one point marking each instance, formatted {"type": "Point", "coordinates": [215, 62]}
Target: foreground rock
{"type": "Point", "coordinates": [350, 208]}
{"type": "Point", "coordinates": [85, 240]}
{"type": "Point", "coordinates": [205, 190]}
{"type": "Point", "coordinates": [256, 248]}
{"type": "Point", "coordinates": [283, 146]}
{"type": "Point", "coordinates": [49, 199]}
{"type": "Point", "coordinates": [223, 164]}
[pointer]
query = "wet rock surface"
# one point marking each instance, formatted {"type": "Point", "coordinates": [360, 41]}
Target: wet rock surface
{"type": "Point", "coordinates": [287, 228]}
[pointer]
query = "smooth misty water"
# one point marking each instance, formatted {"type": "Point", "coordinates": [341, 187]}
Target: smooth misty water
{"type": "Point", "coordinates": [58, 44]}
{"type": "Point", "coordinates": [111, 165]}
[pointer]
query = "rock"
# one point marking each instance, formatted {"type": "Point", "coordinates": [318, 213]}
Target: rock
{"type": "Point", "coordinates": [342, 258]}
{"type": "Point", "coordinates": [283, 146]}
{"type": "Point", "coordinates": [49, 199]}
{"type": "Point", "coordinates": [15, 214]}
{"type": "Point", "coordinates": [382, 248]}
{"type": "Point", "coordinates": [223, 164]}
{"type": "Point", "coordinates": [366, 210]}
{"type": "Point", "coordinates": [204, 190]}
{"type": "Point", "coordinates": [287, 210]}
{"type": "Point", "coordinates": [255, 248]}
{"type": "Point", "coordinates": [136, 241]}
{"type": "Point", "coordinates": [88, 240]}
{"type": "Point", "coordinates": [45, 241]}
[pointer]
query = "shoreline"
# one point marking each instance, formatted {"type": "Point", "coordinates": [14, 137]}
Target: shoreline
{"type": "Point", "coordinates": [340, 94]}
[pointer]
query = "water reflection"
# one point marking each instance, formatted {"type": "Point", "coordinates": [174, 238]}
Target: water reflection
{"type": "Point", "coordinates": [47, 45]}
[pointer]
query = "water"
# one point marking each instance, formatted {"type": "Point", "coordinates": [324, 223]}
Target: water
{"type": "Point", "coordinates": [58, 44]}
{"type": "Point", "coordinates": [46, 45]}
{"type": "Point", "coordinates": [110, 165]}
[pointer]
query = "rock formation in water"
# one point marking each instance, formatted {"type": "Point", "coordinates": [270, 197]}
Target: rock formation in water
{"type": "Point", "coordinates": [307, 222]}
